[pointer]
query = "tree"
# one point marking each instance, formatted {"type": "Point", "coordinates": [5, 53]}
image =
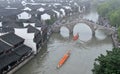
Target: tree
{"type": "Point", "coordinates": [111, 10]}
{"type": "Point", "coordinates": [103, 9]}
{"type": "Point", "coordinates": [50, 21]}
{"type": "Point", "coordinates": [114, 18]}
{"type": "Point", "coordinates": [108, 64]}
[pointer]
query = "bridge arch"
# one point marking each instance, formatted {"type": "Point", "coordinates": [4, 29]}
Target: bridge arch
{"type": "Point", "coordinates": [81, 27]}
{"type": "Point", "coordinates": [71, 26]}
{"type": "Point", "coordinates": [93, 26]}
{"type": "Point", "coordinates": [64, 31]}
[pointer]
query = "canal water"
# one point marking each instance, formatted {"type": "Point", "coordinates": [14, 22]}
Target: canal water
{"type": "Point", "coordinates": [83, 51]}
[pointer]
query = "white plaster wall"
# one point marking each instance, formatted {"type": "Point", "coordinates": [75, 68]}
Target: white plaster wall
{"type": "Point", "coordinates": [63, 11]}
{"type": "Point", "coordinates": [24, 15]}
{"type": "Point", "coordinates": [26, 24]}
{"type": "Point", "coordinates": [22, 32]}
{"type": "Point", "coordinates": [45, 16]}
{"type": "Point", "coordinates": [0, 24]}
{"type": "Point", "coordinates": [58, 14]}
{"type": "Point", "coordinates": [41, 9]}
{"type": "Point", "coordinates": [27, 8]}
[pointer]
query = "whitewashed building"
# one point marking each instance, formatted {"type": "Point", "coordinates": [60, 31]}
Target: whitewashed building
{"type": "Point", "coordinates": [63, 12]}
{"type": "Point", "coordinates": [67, 7]}
{"type": "Point", "coordinates": [28, 38]}
{"type": "Point", "coordinates": [24, 15]}
{"type": "Point", "coordinates": [27, 9]}
{"type": "Point", "coordinates": [26, 24]}
{"type": "Point", "coordinates": [58, 13]}
{"type": "Point", "coordinates": [41, 9]}
{"type": "Point", "coordinates": [23, 3]}
{"type": "Point", "coordinates": [45, 16]}
{"type": "Point", "coordinates": [0, 24]}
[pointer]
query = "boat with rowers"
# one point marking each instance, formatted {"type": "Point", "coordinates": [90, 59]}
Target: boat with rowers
{"type": "Point", "coordinates": [75, 37]}
{"type": "Point", "coordinates": [63, 59]}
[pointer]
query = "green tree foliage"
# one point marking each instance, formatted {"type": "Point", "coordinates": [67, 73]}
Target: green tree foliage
{"type": "Point", "coordinates": [103, 9]}
{"type": "Point", "coordinates": [114, 17]}
{"type": "Point", "coordinates": [111, 10]}
{"type": "Point", "coordinates": [50, 21]}
{"type": "Point", "coordinates": [108, 64]}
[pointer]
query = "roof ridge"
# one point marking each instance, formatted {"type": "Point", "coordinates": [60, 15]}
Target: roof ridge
{"type": "Point", "coordinates": [6, 42]}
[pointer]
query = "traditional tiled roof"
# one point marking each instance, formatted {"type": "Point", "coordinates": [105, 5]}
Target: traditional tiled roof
{"type": "Point", "coordinates": [38, 24]}
{"type": "Point", "coordinates": [12, 24]}
{"type": "Point", "coordinates": [7, 59]}
{"type": "Point", "coordinates": [17, 5]}
{"type": "Point", "coordinates": [32, 29]}
{"type": "Point", "coordinates": [9, 18]}
{"type": "Point", "coordinates": [4, 46]}
{"type": "Point", "coordinates": [37, 37]}
{"type": "Point", "coordinates": [9, 12]}
{"type": "Point", "coordinates": [22, 50]}
{"type": "Point", "coordinates": [12, 39]}
{"type": "Point", "coordinates": [50, 12]}
{"type": "Point", "coordinates": [6, 29]}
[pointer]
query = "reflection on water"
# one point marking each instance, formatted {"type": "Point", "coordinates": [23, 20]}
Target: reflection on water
{"type": "Point", "coordinates": [80, 62]}
{"type": "Point", "coordinates": [84, 31]}
{"type": "Point", "coordinates": [100, 34]}
{"type": "Point", "coordinates": [64, 32]}
{"type": "Point", "coordinates": [84, 51]}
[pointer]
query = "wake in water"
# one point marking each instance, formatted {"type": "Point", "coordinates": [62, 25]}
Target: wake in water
{"type": "Point", "coordinates": [79, 43]}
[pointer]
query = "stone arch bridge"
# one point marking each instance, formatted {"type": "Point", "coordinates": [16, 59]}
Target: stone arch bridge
{"type": "Point", "coordinates": [93, 26]}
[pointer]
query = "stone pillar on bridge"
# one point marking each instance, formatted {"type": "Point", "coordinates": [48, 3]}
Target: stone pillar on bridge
{"type": "Point", "coordinates": [70, 27]}
{"type": "Point", "coordinates": [93, 33]}
{"type": "Point", "coordinates": [71, 32]}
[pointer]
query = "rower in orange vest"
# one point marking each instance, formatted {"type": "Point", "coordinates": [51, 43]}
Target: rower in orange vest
{"type": "Point", "coordinates": [75, 37]}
